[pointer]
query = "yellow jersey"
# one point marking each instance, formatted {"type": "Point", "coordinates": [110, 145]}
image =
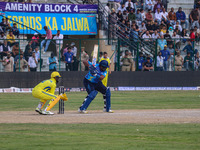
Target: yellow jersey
{"type": "Point", "coordinates": [46, 86]}
{"type": "Point", "coordinates": [12, 38]}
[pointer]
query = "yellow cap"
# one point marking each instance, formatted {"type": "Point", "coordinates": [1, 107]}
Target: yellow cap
{"type": "Point", "coordinates": [55, 74]}
{"type": "Point", "coordinates": [165, 46]}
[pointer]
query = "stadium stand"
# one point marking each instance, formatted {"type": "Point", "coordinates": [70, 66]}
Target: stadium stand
{"type": "Point", "coordinates": [127, 29]}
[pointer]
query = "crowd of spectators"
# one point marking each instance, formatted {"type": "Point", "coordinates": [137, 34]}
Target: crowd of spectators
{"type": "Point", "coordinates": [15, 59]}
{"type": "Point", "coordinates": [149, 21]}
{"type": "Point", "coordinates": [144, 19]}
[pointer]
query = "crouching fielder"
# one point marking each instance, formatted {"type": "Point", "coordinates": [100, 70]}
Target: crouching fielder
{"type": "Point", "coordinates": [93, 85]}
{"type": "Point", "coordinates": [45, 91]}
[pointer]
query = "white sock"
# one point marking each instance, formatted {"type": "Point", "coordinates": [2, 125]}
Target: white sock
{"type": "Point", "coordinates": [46, 107]}
{"type": "Point", "coordinates": [40, 105]}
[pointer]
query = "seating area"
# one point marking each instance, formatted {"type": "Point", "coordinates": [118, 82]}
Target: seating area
{"type": "Point", "coordinates": [153, 24]}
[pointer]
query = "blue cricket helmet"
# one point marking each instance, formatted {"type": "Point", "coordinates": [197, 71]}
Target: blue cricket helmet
{"type": "Point", "coordinates": [103, 63]}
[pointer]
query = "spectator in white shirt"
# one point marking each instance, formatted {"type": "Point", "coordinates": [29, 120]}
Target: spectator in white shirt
{"type": "Point", "coordinates": [8, 63]}
{"type": "Point", "coordinates": [176, 37]}
{"type": "Point", "coordinates": [108, 11]}
{"type": "Point", "coordinates": [158, 16]}
{"type": "Point", "coordinates": [59, 43]}
{"type": "Point", "coordinates": [2, 38]}
{"type": "Point", "coordinates": [164, 15]}
{"type": "Point", "coordinates": [125, 15]}
{"type": "Point", "coordinates": [74, 51]}
{"type": "Point", "coordinates": [37, 55]}
{"type": "Point", "coordinates": [177, 25]}
{"type": "Point", "coordinates": [146, 36]}
{"type": "Point", "coordinates": [122, 8]}
{"type": "Point", "coordinates": [160, 60]}
{"type": "Point", "coordinates": [142, 28]}
{"type": "Point", "coordinates": [1, 30]}
{"type": "Point", "coordinates": [155, 35]}
{"type": "Point", "coordinates": [129, 1]}
{"type": "Point", "coordinates": [143, 14]}
{"type": "Point", "coordinates": [32, 63]}
{"type": "Point", "coordinates": [149, 5]}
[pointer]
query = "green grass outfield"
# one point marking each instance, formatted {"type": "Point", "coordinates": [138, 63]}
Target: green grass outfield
{"type": "Point", "coordinates": [119, 100]}
{"type": "Point", "coordinates": [99, 137]}
{"type": "Point", "coordinates": [104, 136]}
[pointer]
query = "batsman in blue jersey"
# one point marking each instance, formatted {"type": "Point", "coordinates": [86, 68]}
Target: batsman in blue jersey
{"type": "Point", "coordinates": [93, 85]}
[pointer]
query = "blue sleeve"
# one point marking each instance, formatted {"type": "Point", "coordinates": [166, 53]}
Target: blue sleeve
{"type": "Point", "coordinates": [184, 16]}
{"type": "Point", "coordinates": [184, 48]}
{"type": "Point", "coordinates": [104, 73]}
{"type": "Point", "coordinates": [177, 17]}
{"type": "Point", "coordinates": [89, 62]}
{"type": "Point", "coordinates": [97, 65]}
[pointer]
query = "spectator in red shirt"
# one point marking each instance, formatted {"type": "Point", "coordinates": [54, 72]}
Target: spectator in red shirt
{"type": "Point", "coordinates": [65, 50]}
{"type": "Point", "coordinates": [47, 40]}
{"type": "Point", "coordinates": [35, 42]}
{"type": "Point", "coordinates": [192, 35]}
{"type": "Point", "coordinates": [149, 16]}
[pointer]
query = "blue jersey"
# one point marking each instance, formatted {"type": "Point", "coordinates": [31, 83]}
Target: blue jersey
{"type": "Point", "coordinates": [165, 54]}
{"type": "Point", "coordinates": [92, 78]}
{"type": "Point", "coordinates": [52, 66]}
{"type": "Point", "coordinates": [140, 62]}
{"type": "Point", "coordinates": [68, 57]}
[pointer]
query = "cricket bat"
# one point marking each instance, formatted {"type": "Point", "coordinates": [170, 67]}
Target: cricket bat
{"type": "Point", "coordinates": [95, 54]}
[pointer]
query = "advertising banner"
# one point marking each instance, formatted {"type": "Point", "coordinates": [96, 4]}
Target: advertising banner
{"type": "Point", "coordinates": [48, 8]}
{"type": "Point", "coordinates": [68, 24]}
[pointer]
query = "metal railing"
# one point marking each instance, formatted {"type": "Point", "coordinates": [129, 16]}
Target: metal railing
{"type": "Point", "coordinates": [26, 29]}
{"type": "Point", "coordinates": [117, 30]}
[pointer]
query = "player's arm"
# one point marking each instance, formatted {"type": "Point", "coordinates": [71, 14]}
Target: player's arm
{"type": "Point", "coordinates": [53, 88]}
{"type": "Point", "coordinates": [101, 77]}
{"type": "Point", "coordinates": [87, 63]}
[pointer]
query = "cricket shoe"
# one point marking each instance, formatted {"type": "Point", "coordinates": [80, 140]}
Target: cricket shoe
{"type": "Point", "coordinates": [38, 110]}
{"type": "Point", "coordinates": [110, 111]}
{"type": "Point", "coordinates": [82, 111]}
{"type": "Point", "coordinates": [47, 113]}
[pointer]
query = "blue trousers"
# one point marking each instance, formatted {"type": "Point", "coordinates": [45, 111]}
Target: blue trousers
{"type": "Point", "coordinates": [94, 86]}
{"type": "Point", "coordinates": [92, 90]}
{"type": "Point", "coordinates": [47, 44]}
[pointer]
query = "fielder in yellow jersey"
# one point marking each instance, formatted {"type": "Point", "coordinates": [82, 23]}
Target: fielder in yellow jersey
{"type": "Point", "coordinates": [105, 57]}
{"type": "Point", "coordinates": [105, 80]}
{"type": "Point", "coordinates": [45, 91]}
